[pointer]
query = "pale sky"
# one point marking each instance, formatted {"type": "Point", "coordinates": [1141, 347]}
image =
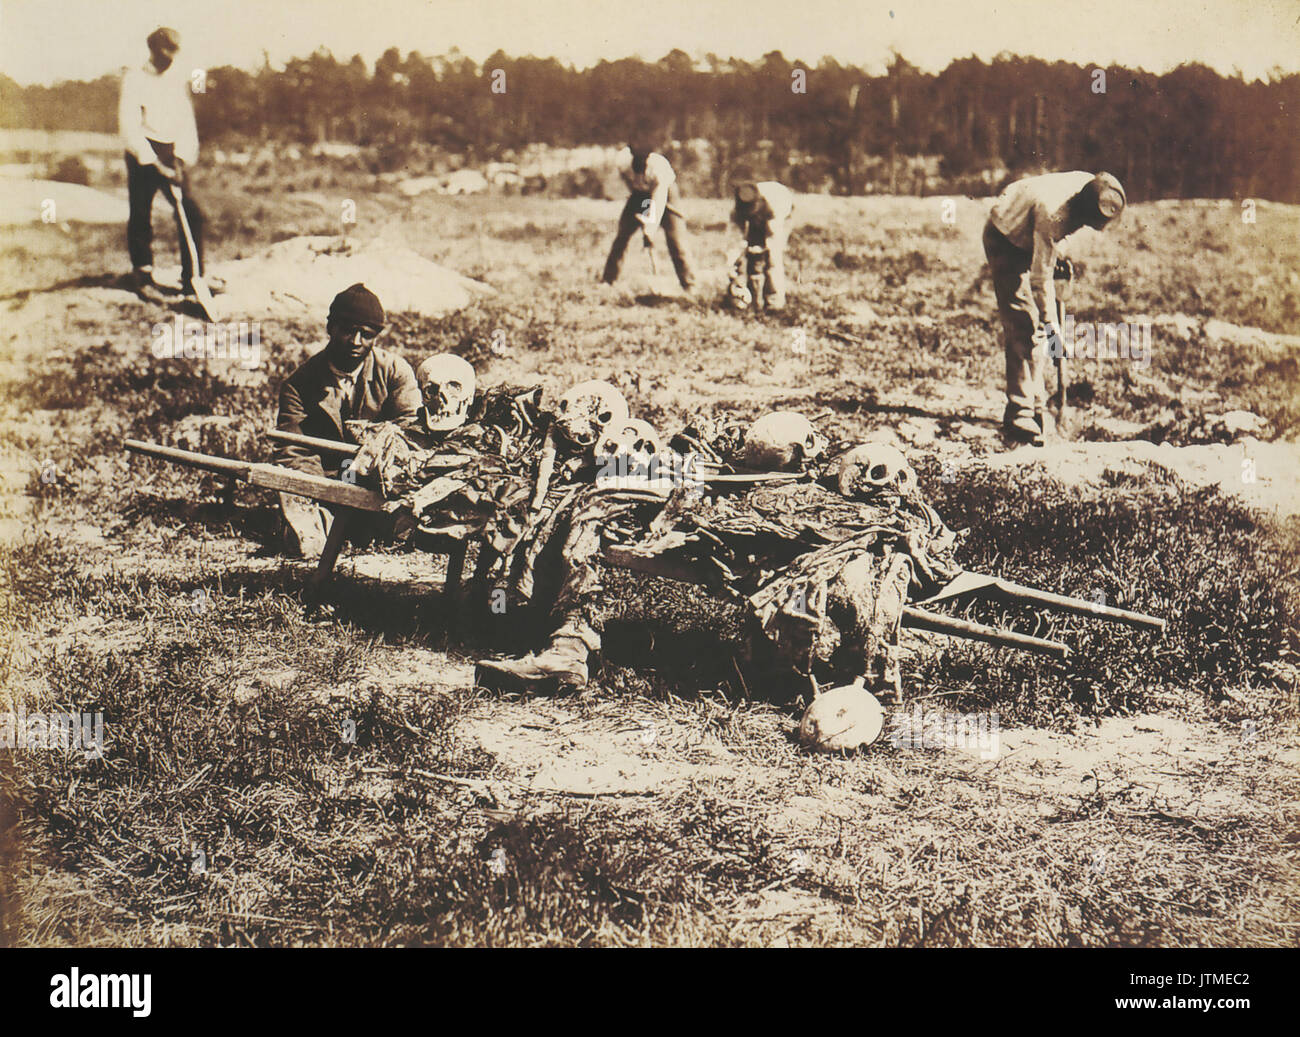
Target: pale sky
{"type": "Point", "coordinates": [43, 41]}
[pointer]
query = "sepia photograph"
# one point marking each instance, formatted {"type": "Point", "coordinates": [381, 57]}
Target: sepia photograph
{"type": "Point", "coordinates": [724, 474]}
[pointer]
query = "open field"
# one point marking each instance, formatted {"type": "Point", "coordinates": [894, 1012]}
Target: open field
{"type": "Point", "coordinates": [1146, 792]}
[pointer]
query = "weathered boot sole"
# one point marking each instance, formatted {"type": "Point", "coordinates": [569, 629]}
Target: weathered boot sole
{"type": "Point", "coordinates": [494, 679]}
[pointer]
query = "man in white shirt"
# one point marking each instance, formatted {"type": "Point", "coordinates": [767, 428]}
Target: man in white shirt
{"type": "Point", "coordinates": [762, 213]}
{"type": "Point", "coordinates": [156, 121]}
{"type": "Point", "coordinates": [654, 200]}
{"type": "Point", "coordinates": [1023, 241]}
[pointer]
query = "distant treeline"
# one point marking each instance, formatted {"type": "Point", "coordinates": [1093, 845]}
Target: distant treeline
{"type": "Point", "coordinates": [1188, 133]}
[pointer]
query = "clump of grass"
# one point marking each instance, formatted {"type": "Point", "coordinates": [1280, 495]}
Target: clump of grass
{"type": "Point", "coordinates": [1201, 560]}
{"type": "Point", "coordinates": [219, 807]}
{"type": "Point", "coordinates": [476, 332]}
{"type": "Point", "coordinates": [264, 823]}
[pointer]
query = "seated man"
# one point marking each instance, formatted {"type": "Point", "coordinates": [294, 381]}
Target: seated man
{"type": "Point", "coordinates": [350, 379]}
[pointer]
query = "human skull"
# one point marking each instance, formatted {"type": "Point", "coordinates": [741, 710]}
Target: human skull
{"type": "Point", "coordinates": [842, 719]}
{"type": "Point", "coordinates": [874, 470]}
{"type": "Point", "coordinates": [633, 439]}
{"type": "Point", "coordinates": [447, 383]}
{"type": "Point", "coordinates": [738, 293]}
{"type": "Point", "coordinates": [782, 441]}
{"type": "Point", "coordinates": [586, 410]}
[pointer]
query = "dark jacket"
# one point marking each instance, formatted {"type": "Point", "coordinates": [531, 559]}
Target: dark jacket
{"type": "Point", "coordinates": [385, 390]}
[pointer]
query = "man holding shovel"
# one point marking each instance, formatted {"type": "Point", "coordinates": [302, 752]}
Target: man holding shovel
{"type": "Point", "coordinates": [1022, 240]}
{"type": "Point", "coordinates": [762, 212]}
{"type": "Point", "coordinates": [653, 201]}
{"type": "Point", "coordinates": [156, 121]}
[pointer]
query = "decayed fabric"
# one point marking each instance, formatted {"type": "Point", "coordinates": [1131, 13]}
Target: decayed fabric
{"type": "Point", "coordinates": [481, 480]}
{"type": "Point", "coordinates": [825, 578]}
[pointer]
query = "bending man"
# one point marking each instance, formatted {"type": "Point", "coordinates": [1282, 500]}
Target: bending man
{"type": "Point", "coordinates": [1022, 241]}
{"type": "Point", "coordinates": [762, 213]}
{"type": "Point", "coordinates": [653, 201]}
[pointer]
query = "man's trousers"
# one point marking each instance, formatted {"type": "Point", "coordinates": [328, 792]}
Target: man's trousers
{"type": "Point", "coordinates": [142, 183]}
{"type": "Point", "coordinates": [674, 225]}
{"type": "Point", "coordinates": [1025, 343]}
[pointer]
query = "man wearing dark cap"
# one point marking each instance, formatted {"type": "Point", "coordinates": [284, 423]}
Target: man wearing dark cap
{"type": "Point", "coordinates": [654, 201]}
{"type": "Point", "coordinates": [156, 121]}
{"type": "Point", "coordinates": [351, 379]}
{"type": "Point", "coordinates": [762, 212]}
{"type": "Point", "coordinates": [1023, 242]}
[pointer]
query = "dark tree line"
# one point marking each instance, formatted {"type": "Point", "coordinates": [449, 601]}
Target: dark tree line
{"type": "Point", "coordinates": [1189, 132]}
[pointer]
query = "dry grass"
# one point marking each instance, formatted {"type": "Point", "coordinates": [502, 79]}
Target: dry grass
{"type": "Point", "coordinates": [414, 833]}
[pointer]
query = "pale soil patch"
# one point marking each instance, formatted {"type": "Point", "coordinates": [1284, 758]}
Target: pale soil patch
{"type": "Point", "coordinates": [27, 201]}
{"type": "Point", "coordinates": [1196, 772]}
{"type": "Point", "coordinates": [300, 276]}
{"type": "Point", "coordinates": [616, 749]}
{"type": "Point", "coordinates": [1262, 475]}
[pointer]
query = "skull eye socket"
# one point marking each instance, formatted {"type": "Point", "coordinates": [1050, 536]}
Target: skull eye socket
{"type": "Point", "coordinates": [454, 387]}
{"type": "Point", "coordinates": [564, 406]}
{"type": "Point", "coordinates": [879, 472]}
{"type": "Point", "coordinates": [605, 417]}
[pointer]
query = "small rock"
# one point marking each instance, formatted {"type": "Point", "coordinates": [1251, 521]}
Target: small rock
{"type": "Point", "coordinates": [246, 693]}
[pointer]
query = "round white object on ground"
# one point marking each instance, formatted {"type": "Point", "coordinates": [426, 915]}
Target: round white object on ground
{"type": "Point", "coordinates": [842, 719]}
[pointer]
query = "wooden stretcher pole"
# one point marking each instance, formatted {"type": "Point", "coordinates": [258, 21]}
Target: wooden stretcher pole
{"type": "Point", "coordinates": [935, 623]}
{"type": "Point", "coordinates": [1009, 591]}
{"type": "Point", "coordinates": [268, 476]}
{"type": "Point", "coordinates": [331, 446]}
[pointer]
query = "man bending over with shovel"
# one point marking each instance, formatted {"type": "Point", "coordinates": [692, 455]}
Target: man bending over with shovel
{"type": "Point", "coordinates": [156, 121]}
{"type": "Point", "coordinates": [653, 201]}
{"type": "Point", "coordinates": [762, 212]}
{"type": "Point", "coordinates": [1022, 241]}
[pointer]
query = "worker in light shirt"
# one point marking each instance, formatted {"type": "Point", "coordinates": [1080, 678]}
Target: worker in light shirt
{"type": "Point", "coordinates": [156, 121]}
{"type": "Point", "coordinates": [653, 201]}
{"type": "Point", "coordinates": [1023, 242]}
{"type": "Point", "coordinates": [762, 212]}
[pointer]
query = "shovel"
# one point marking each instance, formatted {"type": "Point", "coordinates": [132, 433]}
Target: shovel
{"type": "Point", "coordinates": [1063, 277]}
{"type": "Point", "coordinates": [650, 251]}
{"type": "Point", "coordinates": [207, 304]}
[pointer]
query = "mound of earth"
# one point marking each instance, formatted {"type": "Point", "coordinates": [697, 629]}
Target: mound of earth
{"type": "Point", "coordinates": [1260, 474]}
{"type": "Point", "coordinates": [303, 274]}
{"type": "Point", "coordinates": [29, 201]}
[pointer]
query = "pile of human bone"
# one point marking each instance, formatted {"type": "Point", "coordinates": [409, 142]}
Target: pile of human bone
{"type": "Point", "coordinates": [826, 543]}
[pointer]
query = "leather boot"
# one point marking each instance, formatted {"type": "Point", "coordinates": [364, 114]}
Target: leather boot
{"type": "Point", "coordinates": [563, 664]}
